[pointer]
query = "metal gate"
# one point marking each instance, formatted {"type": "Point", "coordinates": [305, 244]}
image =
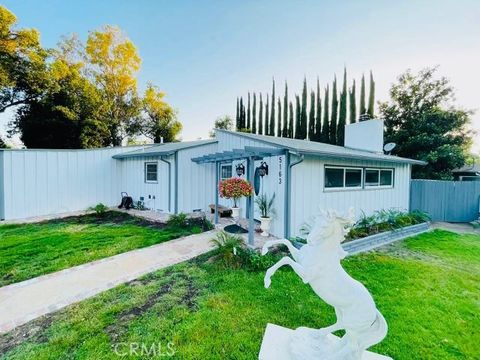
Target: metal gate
{"type": "Point", "coordinates": [453, 201]}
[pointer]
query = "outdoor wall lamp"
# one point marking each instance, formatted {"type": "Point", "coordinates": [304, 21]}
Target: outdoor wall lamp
{"type": "Point", "coordinates": [263, 169]}
{"type": "Point", "coordinates": [240, 169]}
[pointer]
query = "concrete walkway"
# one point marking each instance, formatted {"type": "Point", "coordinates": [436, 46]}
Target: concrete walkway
{"type": "Point", "coordinates": [27, 300]}
{"type": "Point", "coordinates": [460, 228]}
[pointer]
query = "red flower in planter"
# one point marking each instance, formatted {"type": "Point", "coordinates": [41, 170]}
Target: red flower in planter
{"type": "Point", "coordinates": [234, 188]}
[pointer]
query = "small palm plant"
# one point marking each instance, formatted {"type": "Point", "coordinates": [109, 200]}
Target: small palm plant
{"type": "Point", "coordinates": [265, 205]}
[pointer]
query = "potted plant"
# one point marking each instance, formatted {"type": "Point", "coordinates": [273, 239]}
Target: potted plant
{"type": "Point", "coordinates": [235, 188]}
{"type": "Point", "coordinates": [265, 205]}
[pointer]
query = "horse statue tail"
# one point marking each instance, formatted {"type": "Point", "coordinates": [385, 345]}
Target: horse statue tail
{"type": "Point", "coordinates": [376, 333]}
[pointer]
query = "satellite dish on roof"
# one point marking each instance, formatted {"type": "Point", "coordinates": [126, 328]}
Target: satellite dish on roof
{"type": "Point", "coordinates": [389, 147]}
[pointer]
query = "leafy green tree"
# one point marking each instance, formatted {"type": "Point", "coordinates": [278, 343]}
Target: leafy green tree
{"type": "Point", "coordinates": [363, 109]}
{"type": "Point", "coordinates": [318, 117]}
{"type": "Point", "coordinates": [271, 130]}
{"type": "Point", "coordinates": [285, 112]}
{"type": "Point", "coordinates": [422, 120]}
{"type": "Point", "coordinates": [290, 121]}
{"type": "Point", "coordinates": [267, 119]}
{"type": "Point", "coordinates": [326, 118]}
{"type": "Point", "coordinates": [260, 116]}
{"type": "Point", "coordinates": [279, 119]}
{"type": "Point", "coordinates": [24, 72]}
{"type": "Point", "coordinates": [371, 98]}
{"type": "Point", "coordinates": [66, 116]}
{"type": "Point", "coordinates": [303, 115]}
{"type": "Point", "coordinates": [241, 119]}
{"type": "Point", "coordinates": [353, 104]}
{"type": "Point", "coordinates": [342, 115]}
{"type": "Point", "coordinates": [248, 125]}
{"type": "Point", "coordinates": [2, 144]}
{"type": "Point", "coordinates": [224, 123]}
{"type": "Point", "coordinates": [114, 64]}
{"type": "Point", "coordinates": [254, 114]}
{"type": "Point", "coordinates": [158, 120]}
{"type": "Point", "coordinates": [334, 114]}
{"type": "Point", "coordinates": [298, 118]}
{"type": "Point", "coordinates": [311, 118]}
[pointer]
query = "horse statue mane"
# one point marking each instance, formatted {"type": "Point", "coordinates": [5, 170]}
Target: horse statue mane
{"type": "Point", "coordinates": [318, 263]}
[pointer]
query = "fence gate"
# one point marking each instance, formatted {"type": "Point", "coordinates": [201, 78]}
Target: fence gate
{"type": "Point", "coordinates": [453, 201]}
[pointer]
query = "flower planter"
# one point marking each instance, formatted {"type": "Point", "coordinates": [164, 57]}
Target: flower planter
{"type": "Point", "coordinates": [236, 212]}
{"type": "Point", "coordinates": [265, 225]}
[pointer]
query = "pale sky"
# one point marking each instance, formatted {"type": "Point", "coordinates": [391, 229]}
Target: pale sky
{"type": "Point", "coordinates": [204, 54]}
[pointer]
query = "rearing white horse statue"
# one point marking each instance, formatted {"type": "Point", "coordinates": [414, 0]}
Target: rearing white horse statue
{"type": "Point", "coordinates": [318, 263]}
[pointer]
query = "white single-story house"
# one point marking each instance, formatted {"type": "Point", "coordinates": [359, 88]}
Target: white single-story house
{"type": "Point", "coordinates": [183, 176]}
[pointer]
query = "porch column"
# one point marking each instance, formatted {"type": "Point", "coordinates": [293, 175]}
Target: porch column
{"type": "Point", "coordinates": [251, 221]}
{"type": "Point", "coordinates": [217, 173]}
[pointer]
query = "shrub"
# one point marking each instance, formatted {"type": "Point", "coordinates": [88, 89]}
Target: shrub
{"type": "Point", "coordinates": [99, 209]}
{"type": "Point", "coordinates": [178, 220]}
{"type": "Point", "coordinates": [232, 253]}
{"type": "Point", "coordinates": [385, 220]}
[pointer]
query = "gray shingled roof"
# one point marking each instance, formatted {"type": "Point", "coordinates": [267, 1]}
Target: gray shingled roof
{"type": "Point", "coordinates": [306, 147]}
{"type": "Point", "coordinates": [163, 149]}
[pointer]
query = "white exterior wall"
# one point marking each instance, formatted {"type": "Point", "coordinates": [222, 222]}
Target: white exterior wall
{"type": "Point", "coordinates": [196, 182]}
{"type": "Point", "coordinates": [308, 194]}
{"type": "Point", "coordinates": [46, 182]}
{"type": "Point", "coordinates": [273, 183]}
{"type": "Point", "coordinates": [132, 181]}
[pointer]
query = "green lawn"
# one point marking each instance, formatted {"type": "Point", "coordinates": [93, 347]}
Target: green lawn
{"type": "Point", "coordinates": [27, 251]}
{"type": "Point", "coordinates": [427, 287]}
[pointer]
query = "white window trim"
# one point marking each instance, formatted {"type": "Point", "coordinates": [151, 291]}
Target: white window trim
{"type": "Point", "coordinates": [221, 172]}
{"type": "Point", "coordinates": [145, 172]}
{"type": "Point", "coordinates": [343, 188]}
{"type": "Point", "coordinates": [363, 185]}
{"type": "Point", "coordinates": [371, 187]}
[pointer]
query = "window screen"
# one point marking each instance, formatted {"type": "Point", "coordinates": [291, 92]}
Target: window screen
{"type": "Point", "coordinates": [353, 177]}
{"type": "Point", "coordinates": [334, 177]}
{"type": "Point", "coordinates": [372, 177]}
{"type": "Point", "coordinates": [151, 172]}
{"type": "Point", "coordinates": [386, 177]}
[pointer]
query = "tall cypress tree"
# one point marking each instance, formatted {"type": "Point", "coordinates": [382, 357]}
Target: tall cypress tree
{"type": "Point", "coordinates": [271, 131]}
{"type": "Point", "coordinates": [311, 117]}
{"type": "Point", "coordinates": [353, 104]}
{"type": "Point", "coordinates": [371, 98]}
{"type": "Point", "coordinates": [240, 121]}
{"type": "Point", "coordinates": [279, 119]}
{"type": "Point", "coordinates": [254, 114]}
{"type": "Point", "coordinates": [303, 116]}
{"type": "Point", "coordinates": [285, 112]}
{"type": "Point", "coordinates": [298, 118]}
{"type": "Point", "coordinates": [267, 128]}
{"type": "Point", "coordinates": [326, 118]}
{"type": "Point", "coordinates": [247, 125]}
{"type": "Point", "coordinates": [342, 115]}
{"type": "Point", "coordinates": [237, 115]}
{"type": "Point", "coordinates": [362, 109]}
{"type": "Point", "coordinates": [334, 113]}
{"type": "Point", "coordinates": [260, 116]}
{"type": "Point", "coordinates": [318, 117]}
{"type": "Point", "coordinates": [291, 125]}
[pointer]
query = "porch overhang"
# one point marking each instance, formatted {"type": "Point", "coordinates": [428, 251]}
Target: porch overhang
{"type": "Point", "coordinates": [250, 154]}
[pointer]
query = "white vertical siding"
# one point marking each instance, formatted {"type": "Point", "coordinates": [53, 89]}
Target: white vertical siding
{"type": "Point", "coordinates": [45, 182]}
{"type": "Point", "coordinates": [196, 182]}
{"type": "Point", "coordinates": [308, 194]}
{"type": "Point", "coordinates": [132, 181]}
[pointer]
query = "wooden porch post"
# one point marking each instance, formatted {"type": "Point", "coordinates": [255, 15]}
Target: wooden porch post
{"type": "Point", "coordinates": [251, 221]}
{"type": "Point", "coordinates": [217, 175]}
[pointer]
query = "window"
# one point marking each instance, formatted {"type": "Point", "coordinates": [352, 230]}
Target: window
{"type": "Point", "coordinates": [350, 178]}
{"type": "Point", "coordinates": [339, 178]}
{"type": "Point", "coordinates": [378, 177]}
{"type": "Point", "coordinates": [226, 171]}
{"type": "Point", "coordinates": [151, 172]}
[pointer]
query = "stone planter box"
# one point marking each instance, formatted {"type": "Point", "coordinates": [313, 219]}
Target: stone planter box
{"type": "Point", "coordinates": [374, 241]}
